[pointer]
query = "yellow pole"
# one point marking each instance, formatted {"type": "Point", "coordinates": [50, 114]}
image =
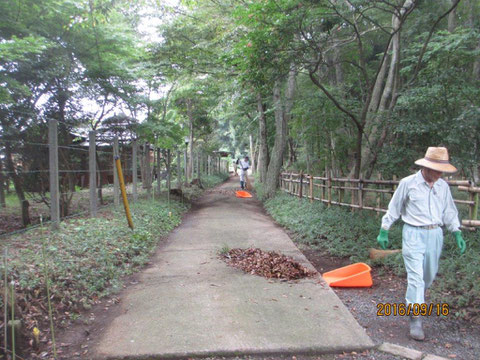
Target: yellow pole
{"type": "Point", "coordinates": [124, 192]}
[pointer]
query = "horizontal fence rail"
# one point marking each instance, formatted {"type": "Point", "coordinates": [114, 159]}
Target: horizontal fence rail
{"type": "Point", "coordinates": [373, 195]}
{"type": "Point", "coordinates": [57, 181]}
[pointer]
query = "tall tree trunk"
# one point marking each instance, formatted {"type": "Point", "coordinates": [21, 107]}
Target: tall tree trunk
{"type": "Point", "coordinates": [292, 156]}
{"type": "Point", "coordinates": [17, 183]}
{"type": "Point", "coordinates": [476, 64]}
{"type": "Point", "coordinates": [100, 179]}
{"type": "Point", "coordinates": [263, 158]}
{"type": "Point", "coordinates": [452, 18]}
{"type": "Point", "coordinates": [2, 187]}
{"type": "Point", "coordinates": [308, 156]}
{"type": "Point", "coordinates": [379, 104]}
{"type": "Point", "coordinates": [190, 144]}
{"type": "Point", "coordinates": [338, 67]}
{"type": "Point", "coordinates": [255, 155]}
{"type": "Point", "coordinates": [282, 117]}
{"type": "Point", "coordinates": [280, 141]}
{"type": "Point", "coordinates": [252, 154]}
{"type": "Point", "coordinates": [148, 168]}
{"type": "Point", "coordinates": [142, 167]}
{"type": "Point", "coordinates": [159, 172]}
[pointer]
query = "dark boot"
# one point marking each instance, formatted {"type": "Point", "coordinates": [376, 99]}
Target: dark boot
{"type": "Point", "coordinates": [416, 328]}
{"type": "Point", "coordinates": [241, 185]}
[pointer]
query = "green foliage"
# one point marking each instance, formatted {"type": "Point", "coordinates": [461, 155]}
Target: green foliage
{"type": "Point", "coordinates": [343, 233]}
{"type": "Point", "coordinates": [442, 108]}
{"type": "Point", "coordinates": [87, 257]}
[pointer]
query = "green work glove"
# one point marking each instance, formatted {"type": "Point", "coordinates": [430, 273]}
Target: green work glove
{"type": "Point", "coordinates": [460, 242]}
{"type": "Point", "coordinates": [382, 238]}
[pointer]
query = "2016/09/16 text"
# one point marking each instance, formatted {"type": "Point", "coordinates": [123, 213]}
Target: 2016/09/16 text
{"type": "Point", "coordinates": [388, 309]}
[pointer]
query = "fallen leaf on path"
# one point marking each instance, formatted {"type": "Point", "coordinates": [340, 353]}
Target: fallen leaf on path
{"type": "Point", "coordinates": [270, 265]}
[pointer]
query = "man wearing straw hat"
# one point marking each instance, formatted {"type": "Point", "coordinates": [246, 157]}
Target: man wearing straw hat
{"type": "Point", "coordinates": [424, 202]}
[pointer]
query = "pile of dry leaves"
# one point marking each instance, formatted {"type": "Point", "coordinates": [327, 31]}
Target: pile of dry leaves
{"type": "Point", "coordinates": [267, 264]}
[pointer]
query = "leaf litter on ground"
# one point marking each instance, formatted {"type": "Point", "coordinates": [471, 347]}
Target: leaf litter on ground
{"type": "Point", "coordinates": [267, 264]}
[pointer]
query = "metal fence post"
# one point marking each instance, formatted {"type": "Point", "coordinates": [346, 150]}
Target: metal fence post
{"type": "Point", "coordinates": [54, 182]}
{"type": "Point", "coordinates": [134, 170]}
{"type": "Point", "coordinates": [92, 175]}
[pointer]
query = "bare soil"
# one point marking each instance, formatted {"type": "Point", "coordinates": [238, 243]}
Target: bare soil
{"type": "Point", "coordinates": [445, 335]}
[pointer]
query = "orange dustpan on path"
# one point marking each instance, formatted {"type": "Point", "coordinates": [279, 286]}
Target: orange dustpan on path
{"type": "Point", "coordinates": [243, 194]}
{"type": "Point", "coordinates": [355, 275]}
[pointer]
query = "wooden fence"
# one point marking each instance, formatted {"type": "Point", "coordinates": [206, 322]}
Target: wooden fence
{"type": "Point", "coordinates": [371, 195]}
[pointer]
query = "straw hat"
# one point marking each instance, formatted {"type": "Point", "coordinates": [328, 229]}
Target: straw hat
{"type": "Point", "coordinates": [436, 158]}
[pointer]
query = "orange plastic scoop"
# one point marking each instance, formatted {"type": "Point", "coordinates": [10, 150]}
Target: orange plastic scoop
{"type": "Point", "coordinates": [355, 275]}
{"type": "Point", "coordinates": [243, 194]}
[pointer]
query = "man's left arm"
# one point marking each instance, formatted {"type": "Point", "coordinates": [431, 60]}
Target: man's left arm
{"type": "Point", "coordinates": [450, 219]}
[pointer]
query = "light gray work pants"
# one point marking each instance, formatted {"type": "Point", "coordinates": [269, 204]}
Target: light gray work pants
{"type": "Point", "coordinates": [421, 250]}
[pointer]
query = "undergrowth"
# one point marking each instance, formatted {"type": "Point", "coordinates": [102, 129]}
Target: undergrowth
{"type": "Point", "coordinates": [342, 233]}
{"type": "Point", "coordinates": [86, 259]}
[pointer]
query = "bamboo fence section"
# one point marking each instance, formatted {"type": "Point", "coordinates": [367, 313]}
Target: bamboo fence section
{"type": "Point", "coordinates": [373, 195]}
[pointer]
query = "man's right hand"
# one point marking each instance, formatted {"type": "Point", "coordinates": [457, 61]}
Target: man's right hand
{"type": "Point", "coordinates": [382, 238]}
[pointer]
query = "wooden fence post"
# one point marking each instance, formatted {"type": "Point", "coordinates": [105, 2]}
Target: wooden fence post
{"type": "Point", "coordinates": [360, 193]}
{"type": "Point", "coordinates": [92, 175]}
{"type": "Point", "coordinates": [53, 166]}
{"type": "Point", "coordinates": [290, 184]}
{"type": "Point", "coordinates": [329, 182]}
{"type": "Point", "coordinates": [378, 202]}
{"type": "Point", "coordinates": [475, 208]}
{"type": "Point", "coordinates": [300, 190]}
{"type": "Point", "coordinates": [116, 183]}
{"type": "Point", "coordinates": [341, 193]}
{"type": "Point", "coordinates": [311, 188]}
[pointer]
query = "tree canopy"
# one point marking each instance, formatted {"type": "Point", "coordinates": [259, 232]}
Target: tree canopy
{"type": "Point", "coordinates": [353, 86]}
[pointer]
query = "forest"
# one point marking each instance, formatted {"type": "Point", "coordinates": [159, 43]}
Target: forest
{"type": "Point", "coordinates": [343, 89]}
{"type": "Point", "coordinates": [355, 87]}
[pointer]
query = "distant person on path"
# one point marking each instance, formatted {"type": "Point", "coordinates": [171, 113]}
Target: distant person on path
{"type": "Point", "coordinates": [244, 165]}
{"type": "Point", "coordinates": [424, 202]}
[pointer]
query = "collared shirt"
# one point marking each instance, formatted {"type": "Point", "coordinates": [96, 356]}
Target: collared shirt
{"type": "Point", "coordinates": [244, 164]}
{"type": "Point", "coordinates": [420, 205]}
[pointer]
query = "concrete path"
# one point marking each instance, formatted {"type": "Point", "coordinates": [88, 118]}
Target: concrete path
{"type": "Point", "coordinates": [190, 303]}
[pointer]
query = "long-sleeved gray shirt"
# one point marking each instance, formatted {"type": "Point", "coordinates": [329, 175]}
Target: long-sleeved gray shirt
{"type": "Point", "coordinates": [419, 205]}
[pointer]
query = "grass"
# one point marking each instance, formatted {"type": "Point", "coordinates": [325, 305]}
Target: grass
{"type": "Point", "coordinates": [346, 234]}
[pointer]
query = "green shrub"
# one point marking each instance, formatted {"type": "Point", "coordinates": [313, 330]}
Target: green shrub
{"type": "Point", "coordinates": [87, 257]}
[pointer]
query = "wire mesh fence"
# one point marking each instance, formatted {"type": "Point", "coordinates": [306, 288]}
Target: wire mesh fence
{"type": "Point", "coordinates": [56, 177]}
